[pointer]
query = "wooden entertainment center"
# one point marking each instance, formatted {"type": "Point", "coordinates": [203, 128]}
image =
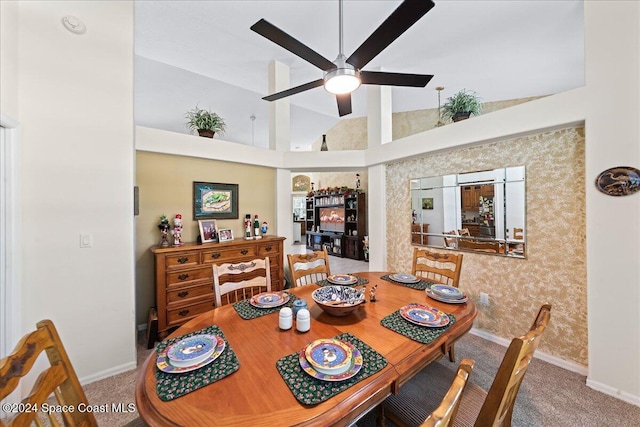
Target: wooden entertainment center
{"type": "Point", "coordinates": [337, 221]}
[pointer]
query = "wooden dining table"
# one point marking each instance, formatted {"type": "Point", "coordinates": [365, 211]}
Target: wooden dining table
{"type": "Point", "coordinates": [256, 393]}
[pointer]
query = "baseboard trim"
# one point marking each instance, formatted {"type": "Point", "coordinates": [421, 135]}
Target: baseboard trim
{"type": "Point", "coordinates": [556, 361]}
{"type": "Point", "coordinates": [613, 392]}
{"type": "Point", "coordinates": [107, 373]}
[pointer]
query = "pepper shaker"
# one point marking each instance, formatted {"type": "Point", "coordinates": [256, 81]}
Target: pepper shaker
{"type": "Point", "coordinates": [303, 320]}
{"type": "Point", "coordinates": [285, 319]}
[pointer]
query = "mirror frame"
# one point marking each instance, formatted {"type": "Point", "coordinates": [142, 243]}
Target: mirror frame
{"type": "Point", "coordinates": [499, 198]}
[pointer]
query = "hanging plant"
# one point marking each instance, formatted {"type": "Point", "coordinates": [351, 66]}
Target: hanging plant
{"type": "Point", "coordinates": [205, 122]}
{"type": "Point", "coordinates": [462, 105]}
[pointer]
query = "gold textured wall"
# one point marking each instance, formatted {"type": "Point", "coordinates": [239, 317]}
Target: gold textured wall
{"type": "Point", "coordinates": [166, 187]}
{"type": "Point", "coordinates": [555, 268]}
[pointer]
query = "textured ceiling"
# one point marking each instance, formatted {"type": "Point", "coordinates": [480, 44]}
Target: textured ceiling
{"type": "Point", "coordinates": [203, 52]}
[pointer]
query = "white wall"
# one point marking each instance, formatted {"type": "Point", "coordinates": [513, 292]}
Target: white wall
{"type": "Point", "coordinates": [77, 163]}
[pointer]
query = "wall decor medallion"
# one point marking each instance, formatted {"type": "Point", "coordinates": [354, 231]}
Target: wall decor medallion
{"type": "Point", "coordinates": [215, 200]}
{"type": "Point", "coordinates": [301, 183]}
{"type": "Point", "coordinates": [619, 181]}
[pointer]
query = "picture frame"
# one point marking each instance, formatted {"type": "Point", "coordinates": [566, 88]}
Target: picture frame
{"type": "Point", "coordinates": [208, 230]}
{"type": "Point", "coordinates": [427, 203]}
{"type": "Point", "coordinates": [225, 235]}
{"type": "Point", "coordinates": [301, 183]}
{"type": "Point", "coordinates": [215, 200]}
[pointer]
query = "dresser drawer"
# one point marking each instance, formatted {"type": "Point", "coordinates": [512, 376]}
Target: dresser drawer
{"type": "Point", "coordinates": [268, 249]}
{"type": "Point", "coordinates": [185, 276]}
{"type": "Point", "coordinates": [179, 315]}
{"type": "Point", "coordinates": [219, 256]}
{"type": "Point", "coordinates": [182, 259]}
{"type": "Point", "coordinates": [187, 292]}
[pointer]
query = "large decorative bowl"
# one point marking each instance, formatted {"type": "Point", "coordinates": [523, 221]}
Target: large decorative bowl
{"type": "Point", "coordinates": [338, 300]}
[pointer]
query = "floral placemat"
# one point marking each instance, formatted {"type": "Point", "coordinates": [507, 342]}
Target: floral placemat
{"type": "Point", "coordinates": [247, 311]}
{"type": "Point", "coordinates": [170, 386]}
{"type": "Point", "coordinates": [311, 391]}
{"type": "Point", "coordinates": [361, 281]}
{"type": "Point", "coordinates": [421, 285]}
{"type": "Point", "coordinates": [422, 334]}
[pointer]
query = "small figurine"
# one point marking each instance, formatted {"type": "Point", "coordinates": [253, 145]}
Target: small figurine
{"type": "Point", "coordinates": [372, 293]}
{"type": "Point", "coordinates": [164, 230]}
{"type": "Point", "coordinates": [357, 181]}
{"type": "Point", "coordinates": [313, 186]}
{"type": "Point", "coordinates": [264, 227]}
{"type": "Point", "coordinates": [177, 230]}
{"type": "Point", "coordinates": [247, 227]}
{"type": "Point", "coordinates": [414, 217]}
{"type": "Point", "coordinates": [256, 227]}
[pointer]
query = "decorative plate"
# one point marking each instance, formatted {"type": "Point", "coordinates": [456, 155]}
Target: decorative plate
{"type": "Point", "coordinates": [619, 181]}
{"type": "Point", "coordinates": [329, 356]}
{"type": "Point", "coordinates": [423, 315]}
{"type": "Point", "coordinates": [164, 364]}
{"type": "Point", "coordinates": [191, 351]}
{"type": "Point", "coordinates": [354, 368]}
{"type": "Point", "coordinates": [447, 300]}
{"type": "Point", "coordinates": [446, 291]}
{"type": "Point", "coordinates": [342, 279]}
{"type": "Point", "coordinates": [404, 278]}
{"type": "Point", "coordinates": [269, 299]}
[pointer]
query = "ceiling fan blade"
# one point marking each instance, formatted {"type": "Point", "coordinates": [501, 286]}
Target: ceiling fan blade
{"type": "Point", "coordinates": [394, 79]}
{"type": "Point", "coordinates": [344, 104]}
{"type": "Point", "coordinates": [407, 14]}
{"type": "Point", "coordinates": [294, 90]}
{"type": "Point", "coordinates": [279, 37]}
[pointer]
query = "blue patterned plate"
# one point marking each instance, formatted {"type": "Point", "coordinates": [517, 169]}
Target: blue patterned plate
{"type": "Point", "coordinates": [191, 351]}
{"type": "Point", "coordinates": [446, 291]}
{"type": "Point", "coordinates": [446, 300]}
{"type": "Point", "coordinates": [354, 367]}
{"type": "Point", "coordinates": [342, 279]}
{"type": "Point", "coordinates": [423, 315]}
{"type": "Point", "coordinates": [329, 356]}
{"type": "Point", "coordinates": [270, 299]}
{"type": "Point", "coordinates": [164, 364]}
{"type": "Point", "coordinates": [404, 278]}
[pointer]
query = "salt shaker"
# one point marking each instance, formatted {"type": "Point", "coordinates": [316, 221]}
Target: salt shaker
{"type": "Point", "coordinates": [285, 320]}
{"type": "Point", "coordinates": [303, 320]}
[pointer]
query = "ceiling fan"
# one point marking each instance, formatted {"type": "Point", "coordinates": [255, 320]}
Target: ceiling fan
{"type": "Point", "coordinates": [344, 75]}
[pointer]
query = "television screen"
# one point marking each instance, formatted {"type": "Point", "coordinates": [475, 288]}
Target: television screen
{"type": "Point", "coordinates": [332, 219]}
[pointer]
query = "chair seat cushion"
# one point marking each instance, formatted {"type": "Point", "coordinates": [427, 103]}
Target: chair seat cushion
{"type": "Point", "coordinates": [424, 392]}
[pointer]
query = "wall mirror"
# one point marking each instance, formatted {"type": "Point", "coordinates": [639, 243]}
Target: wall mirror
{"type": "Point", "coordinates": [481, 212]}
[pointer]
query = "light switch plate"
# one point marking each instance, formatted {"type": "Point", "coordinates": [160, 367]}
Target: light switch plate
{"type": "Point", "coordinates": [86, 240]}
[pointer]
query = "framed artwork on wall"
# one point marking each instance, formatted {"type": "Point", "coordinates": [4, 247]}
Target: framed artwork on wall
{"type": "Point", "coordinates": [208, 230]}
{"type": "Point", "coordinates": [215, 200]}
{"type": "Point", "coordinates": [301, 183]}
{"type": "Point", "coordinates": [427, 203]}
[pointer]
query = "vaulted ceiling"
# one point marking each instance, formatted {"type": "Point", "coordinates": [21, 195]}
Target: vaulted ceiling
{"type": "Point", "coordinates": [203, 53]}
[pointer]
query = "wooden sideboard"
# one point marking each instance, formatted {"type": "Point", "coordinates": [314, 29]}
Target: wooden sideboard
{"type": "Point", "coordinates": [184, 275]}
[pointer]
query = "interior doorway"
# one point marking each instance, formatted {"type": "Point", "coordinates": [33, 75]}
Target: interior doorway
{"type": "Point", "coordinates": [298, 203]}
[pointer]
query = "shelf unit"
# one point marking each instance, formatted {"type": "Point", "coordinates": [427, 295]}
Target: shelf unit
{"type": "Point", "coordinates": [346, 242]}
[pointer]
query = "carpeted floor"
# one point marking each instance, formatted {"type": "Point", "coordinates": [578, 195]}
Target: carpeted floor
{"type": "Point", "coordinates": [549, 396]}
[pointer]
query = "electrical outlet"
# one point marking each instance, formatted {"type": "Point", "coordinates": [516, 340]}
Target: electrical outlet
{"type": "Point", "coordinates": [484, 298]}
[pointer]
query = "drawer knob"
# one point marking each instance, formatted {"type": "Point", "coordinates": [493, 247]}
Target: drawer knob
{"type": "Point", "coordinates": [183, 294]}
{"type": "Point", "coordinates": [183, 312]}
{"type": "Point", "coordinates": [268, 248]}
{"type": "Point", "coordinates": [244, 251]}
{"type": "Point", "coordinates": [215, 255]}
{"type": "Point", "coordinates": [182, 259]}
{"type": "Point", "coordinates": [183, 276]}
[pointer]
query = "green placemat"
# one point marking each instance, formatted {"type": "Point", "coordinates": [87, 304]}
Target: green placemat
{"type": "Point", "coordinates": [311, 391]}
{"type": "Point", "coordinates": [421, 285]}
{"type": "Point", "coordinates": [170, 386]}
{"type": "Point", "coordinates": [361, 281]}
{"type": "Point", "coordinates": [422, 334]}
{"type": "Point", "coordinates": [247, 311]}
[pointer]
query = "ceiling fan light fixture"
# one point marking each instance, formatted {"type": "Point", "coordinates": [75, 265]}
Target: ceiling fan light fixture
{"type": "Point", "coordinates": [341, 81]}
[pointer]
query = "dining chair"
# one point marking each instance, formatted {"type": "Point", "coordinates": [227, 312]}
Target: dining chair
{"type": "Point", "coordinates": [59, 378]}
{"type": "Point", "coordinates": [449, 242]}
{"type": "Point", "coordinates": [445, 414]}
{"type": "Point", "coordinates": [480, 245]}
{"type": "Point", "coordinates": [518, 233]}
{"type": "Point", "coordinates": [236, 282]}
{"type": "Point", "coordinates": [438, 267]}
{"type": "Point", "coordinates": [477, 408]}
{"type": "Point", "coordinates": [464, 232]}
{"type": "Point", "coordinates": [309, 268]}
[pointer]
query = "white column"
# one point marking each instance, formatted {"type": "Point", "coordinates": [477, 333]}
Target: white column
{"type": "Point", "coordinates": [284, 208]}
{"type": "Point", "coordinates": [379, 131]}
{"type": "Point", "coordinates": [279, 111]}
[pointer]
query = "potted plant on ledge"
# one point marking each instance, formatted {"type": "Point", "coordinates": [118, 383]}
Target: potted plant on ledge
{"type": "Point", "coordinates": [205, 122]}
{"type": "Point", "coordinates": [462, 105]}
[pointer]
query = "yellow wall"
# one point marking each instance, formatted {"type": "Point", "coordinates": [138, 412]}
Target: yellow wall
{"type": "Point", "coordinates": [165, 183]}
{"type": "Point", "coordinates": [555, 268]}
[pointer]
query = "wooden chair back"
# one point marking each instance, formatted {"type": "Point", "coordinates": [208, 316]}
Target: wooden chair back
{"type": "Point", "coordinates": [449, 242]}
{"type": "Point", "coordinates": [464, 232]}
{"type": "Point", "coordinates": [497, 409]}
{"type": "Point", "coordinates": [436, 266]}
{"type": "Point", "coordinates": [309, 268]}
{"type": "Point", "coordinates": [518, 234]}
{"type": "Point", "coordinates": [59, 379]}
{"type": "Point", "coordinates": [445, 414]}
{"type": "Point", "coordinates": [240, 281]}
{"type": "Point", "coordinates": [479, 245]}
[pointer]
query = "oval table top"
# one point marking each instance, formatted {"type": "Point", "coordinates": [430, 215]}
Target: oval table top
{"type": "Point", "coordinates": [257, 395]}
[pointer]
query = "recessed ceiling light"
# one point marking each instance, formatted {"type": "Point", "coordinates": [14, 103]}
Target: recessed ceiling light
{"type": "Point", "coordinates": [73, 24]}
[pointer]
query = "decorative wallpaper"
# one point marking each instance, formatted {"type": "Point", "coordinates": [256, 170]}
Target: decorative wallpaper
{"type": "Point", "coordinates": [555, 269]}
